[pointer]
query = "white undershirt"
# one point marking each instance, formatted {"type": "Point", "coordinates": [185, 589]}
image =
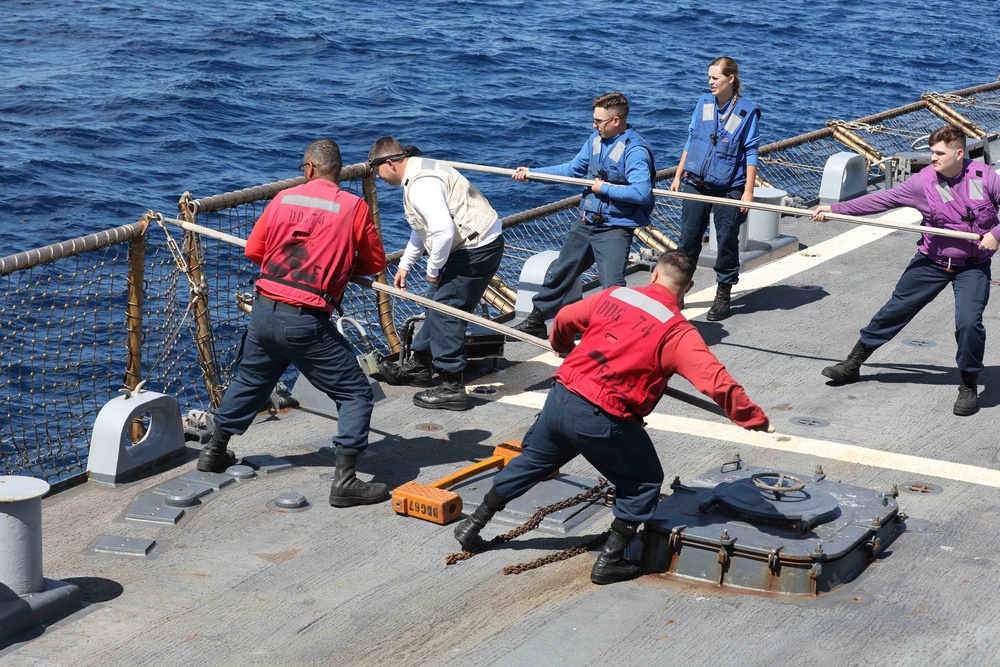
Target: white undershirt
{"type": "Point", "coordinates": [428, 197]}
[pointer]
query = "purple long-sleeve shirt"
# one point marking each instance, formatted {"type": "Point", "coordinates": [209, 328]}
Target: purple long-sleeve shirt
{"type": "Point", "coordinates": [955, 215]}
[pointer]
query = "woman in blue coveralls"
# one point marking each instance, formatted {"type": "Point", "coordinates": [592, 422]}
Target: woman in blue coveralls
{"type": "Point", "coordinates": [719, 160]}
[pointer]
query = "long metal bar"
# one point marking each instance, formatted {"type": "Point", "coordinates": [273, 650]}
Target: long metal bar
{"type": "Point", "coordinates": [386, 289]}
{"type": "Point", "coordinates": [455, 312]}
{"type": "Point", "coordinates": [775, 208]}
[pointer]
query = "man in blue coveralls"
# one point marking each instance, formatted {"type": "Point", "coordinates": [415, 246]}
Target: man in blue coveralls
{"type": "Point", "coordinates": [621, 199]}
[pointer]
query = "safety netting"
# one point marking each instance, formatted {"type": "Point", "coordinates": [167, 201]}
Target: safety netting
{"type": "Point", "coordinates": [151, 303]}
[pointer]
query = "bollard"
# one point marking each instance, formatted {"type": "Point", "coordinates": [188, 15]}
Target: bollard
{"type": "Point", "coordinates": [532, 278]}
{"type": "Point", "coordinates": [26, 599]}
{"type": "Point", "coordinates": [713, 244]}
{"type": "Point", "coordinates": [21, 535]}
{"type": "Point", "coordinates": [763, 225]}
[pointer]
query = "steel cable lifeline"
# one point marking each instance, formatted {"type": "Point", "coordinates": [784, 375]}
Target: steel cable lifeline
{"type": "Point", "coordinates": [759, 206]}
{"type": "Point", "coordinates": [542, 343]}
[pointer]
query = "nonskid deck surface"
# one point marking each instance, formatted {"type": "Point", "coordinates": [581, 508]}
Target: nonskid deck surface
{"type": "Point", "coordinates": [238, 584]}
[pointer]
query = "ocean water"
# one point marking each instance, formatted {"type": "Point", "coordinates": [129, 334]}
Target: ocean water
{"type": "Point", "coordinates": [108, 109]}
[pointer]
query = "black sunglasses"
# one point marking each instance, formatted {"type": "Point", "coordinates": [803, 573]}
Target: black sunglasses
{"type": "Point", "coordinates": [377, 162]}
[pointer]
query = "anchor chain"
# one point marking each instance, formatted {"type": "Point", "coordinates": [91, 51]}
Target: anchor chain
{"type": "Point", "coordinates": [565, 554]}
{"type": "Point", "coordinates": [601, 491]}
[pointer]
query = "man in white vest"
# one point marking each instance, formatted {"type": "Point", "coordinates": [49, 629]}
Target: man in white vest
{"type": "Point", "coordinates": [461, 233]}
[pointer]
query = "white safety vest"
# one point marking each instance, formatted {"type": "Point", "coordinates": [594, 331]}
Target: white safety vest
{"type": "Point", "coordinates": [471, 212]}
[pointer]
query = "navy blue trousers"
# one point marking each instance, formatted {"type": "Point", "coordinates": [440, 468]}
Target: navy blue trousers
{"type": "Point", "coordinates": [585, 245]}
{"type": "Point", "coordinates": [728, 220]}
{"type": "Point", "coordinates": [920, 283]}
{"type": "Point", "coordinates": [312, 343]}
{"type": "Point", "coordinates": [620, 449]}
{"type": "Point", "coordinates": [464, 279]}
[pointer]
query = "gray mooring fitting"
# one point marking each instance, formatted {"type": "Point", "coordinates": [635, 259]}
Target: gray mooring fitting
{"type": "Point", "coordinates": [763, 225]}
{"type": "Point", "coordinates": [845, 176]}
{"type": "Point", "coordinates": [26, 598]}
{"type": "Point", "coordinates": [21, 535]}
{"type": "Point", "coordinates": [533, 274]}
{"type": "Point", "coordinates": [113, 459]}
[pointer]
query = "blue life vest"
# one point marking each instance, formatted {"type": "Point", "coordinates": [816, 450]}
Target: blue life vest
{"type": "Point", "coordinates": [716, 154]}
{"type": "Point", "coordinates": [609, 165]}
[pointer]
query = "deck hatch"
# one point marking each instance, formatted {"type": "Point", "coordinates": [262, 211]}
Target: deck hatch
{"type": "Point", "coordinates": [724, 530]}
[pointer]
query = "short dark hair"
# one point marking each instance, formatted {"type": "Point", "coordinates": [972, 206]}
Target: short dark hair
{"type": "Point", "coordinates": [324, 155]}
{"type": "Point", "coordinates": [678, 264]}
{"type": "Point", "coordinates": [384, 146]}
{"type": "Point", "coordinates": [949, 134]}
{"type": "Point", "coordinates": [615, 102]}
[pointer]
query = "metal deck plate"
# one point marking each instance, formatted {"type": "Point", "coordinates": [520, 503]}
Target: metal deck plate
{"type": "Point", "coordinates": [176, 487]}
{"type": "Point", "coordinates": [211, 479]}
{"type": "Point", "coordinates": [266, 464]}
{"type": "Point", "coordinates": [153, 508]}
{"type": "Point", "coordinates": [518, 511]}
{"type": "Point", "coordinates": [125, 546]}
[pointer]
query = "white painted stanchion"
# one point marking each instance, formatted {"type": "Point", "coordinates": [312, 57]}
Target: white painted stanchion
{"type": "Point", "coordinates": [21, 535]}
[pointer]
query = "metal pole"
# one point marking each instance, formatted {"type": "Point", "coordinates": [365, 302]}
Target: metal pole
{"type": "Point", "coordinates": [786, 210]}
{"type": "Point", "coordinates": [448, 310]}
{"type": "Point", "coordinates": [133, 308]}
{"type": "Point", "coordinates": [384, 306]}
{"type": "Point", "coordinates": [133, 317]}
{"type": "Point", "coordinates": [204, 336]}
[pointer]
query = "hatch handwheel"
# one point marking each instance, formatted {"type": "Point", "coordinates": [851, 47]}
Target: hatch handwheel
{"type": "Point", "coordinates": [795, 484]}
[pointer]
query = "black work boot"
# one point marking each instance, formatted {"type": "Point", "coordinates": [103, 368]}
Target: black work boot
{"type": "Point", "coordinates": [968, 396]}
{"type": "Point", "coordinates": [611, 566]}
{"type": "Point", "coordinates": [534, 325]}
{"type": "Point", "coordinates": [414, 371]}
{"type": "Point", "coordinates": [720, 307]}
{"type": "Point", "coordinates": [848, 371]}
{"type": "Point", "coordinates": [214, 456]}
{"type": "Point", "coordinates": [347, 490]}
{"type": "Point", "coordinates": [467, 532]}
{"type": "Point", "coordinates": [449, 395]}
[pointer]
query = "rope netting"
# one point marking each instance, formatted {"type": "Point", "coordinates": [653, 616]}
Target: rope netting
{"type": "Point", "coordinates": [72, 333]}
{"type": "Point", "coordinates": [63, 349]}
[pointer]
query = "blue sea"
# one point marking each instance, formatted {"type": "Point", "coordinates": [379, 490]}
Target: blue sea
{"type": "Point", "coordinates": [108, 109]}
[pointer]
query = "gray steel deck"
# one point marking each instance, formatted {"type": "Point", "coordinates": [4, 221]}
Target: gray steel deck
{"type": "Point", "coordinates": [237, 584]}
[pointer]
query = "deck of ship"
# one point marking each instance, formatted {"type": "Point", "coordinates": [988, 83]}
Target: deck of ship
{"type": "Point", "coordinates": [237, 584]}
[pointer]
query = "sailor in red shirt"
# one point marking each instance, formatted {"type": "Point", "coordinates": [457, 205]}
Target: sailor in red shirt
{"type": "Point", "coordinates": [633, 341]}
{"type": "Point", "coordinates": [308, 242]}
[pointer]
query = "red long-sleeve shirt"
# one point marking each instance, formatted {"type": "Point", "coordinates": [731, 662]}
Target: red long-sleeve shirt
{"type": "Point", "coordinates": [359, 252]}
{"type": "Point", "coordinates": [682, 351]}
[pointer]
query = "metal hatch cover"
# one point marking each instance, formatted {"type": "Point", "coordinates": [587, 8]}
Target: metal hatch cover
{"type": "Point", "coordinates": [695, 535]}
{"type": "Point", "coordinates": [777, 498]}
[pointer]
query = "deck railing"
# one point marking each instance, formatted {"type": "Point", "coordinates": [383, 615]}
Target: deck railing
{"type": "Point", "coordinates": [149, 303]}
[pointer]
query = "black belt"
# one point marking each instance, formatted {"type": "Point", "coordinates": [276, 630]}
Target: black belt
{"type": "Point", "coordinates": [274, 304]}
{"type": "Point", "coordinates": [698, 183]}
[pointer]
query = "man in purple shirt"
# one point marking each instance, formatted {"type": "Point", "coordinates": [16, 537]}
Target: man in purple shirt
{"type": "Point", "coordinates": [952, 193]}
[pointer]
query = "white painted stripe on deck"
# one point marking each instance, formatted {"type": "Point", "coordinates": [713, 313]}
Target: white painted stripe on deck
{"type": "Point", "coordinates": [803, 260]}
{"type": "Point", "coordinates": [793, 444]}
{"type": "Point", "coordinates": [770, 274]}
